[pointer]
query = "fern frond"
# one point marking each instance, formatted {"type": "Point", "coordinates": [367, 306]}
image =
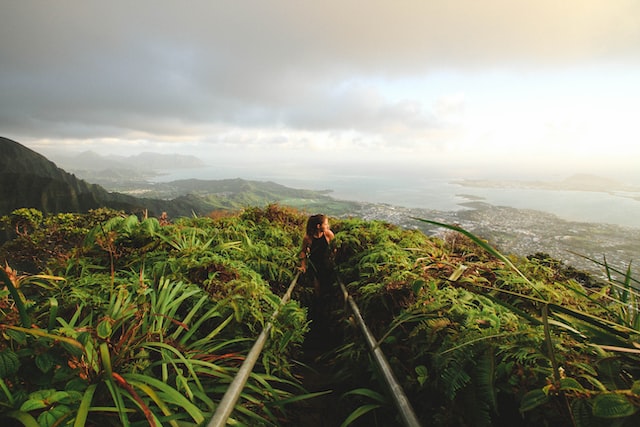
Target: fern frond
{"type": "Point", "coordinates": [484, 378]}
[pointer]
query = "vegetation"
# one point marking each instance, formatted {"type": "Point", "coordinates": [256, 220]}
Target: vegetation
{"type": "Point", "coordinates": [111, 319]}
{"type": "Point", "coordinates": [483, 339]}
{"type": "Point", "coordinates": [29, 179]}
{"type": "Point", "coordinates": [135, 321]}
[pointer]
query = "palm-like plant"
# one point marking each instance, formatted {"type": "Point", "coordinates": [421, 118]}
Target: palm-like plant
{"type": "Point", "coordinates": [111, 347]}
{"type": "Point", "coordinates": [147, 324]}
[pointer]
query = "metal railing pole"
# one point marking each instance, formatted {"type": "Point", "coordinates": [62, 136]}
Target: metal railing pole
{"type": "Point", "coordinates": [231, 396]}
{"type": "Point", "coordinates": [399, 397]}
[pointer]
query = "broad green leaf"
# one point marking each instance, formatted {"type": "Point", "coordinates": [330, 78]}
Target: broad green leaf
{"type": "Point", "coordinates": [612, 405]}
{"type": "Point", "coordinates": [570, 384]}
{"type": "Point", "coordinates": [9, 363]}
{"type": "Point", "coordinates": [533, 399]}
{"type": "Point", "coordinates": [52, 417]}
{"type": "Point", "coordinates": [422, 373]}
{"type": "Point", "coordinates": [594, 382]}
{"type": "Point", "coordinates": [42, 394]}
{"type": "Point", "coordinates": [581, 411]}
{"type": "Point", "coordinates": [64, 397]}
{"type": "Point", "coordinates": [104, 329]}
{"type": "Point", "coordinates": [44, 362]}
{"type": "Point", "coordinates": [18, 336]}
{"type": "Point", "coordinates": [586, 368]}
{"type": "Point", "coordinates": [32, 405]}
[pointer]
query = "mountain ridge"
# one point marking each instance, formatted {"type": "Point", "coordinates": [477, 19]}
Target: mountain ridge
{"type": "Point", "coordinates": [30, 180]}
{"type": "Point", "coordinates": [90, 160]}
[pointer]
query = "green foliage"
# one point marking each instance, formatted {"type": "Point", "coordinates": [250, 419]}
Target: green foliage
{"type": "Point", "coordinates": [46, 242]}
{"type": "Point", "coordinates": [127, 320]}
{"type": "Point", "coordinates": [9, 363]}
{"type": "Point", "coordinates": [25, 220]}
{"type": "Point", "coordinates": [368, 399]}
{"type": "Point", "coordinates": [575, 321]}
{"type": "Point", "coordinates": [477, 334]}
{"type": "Point", "coordinates": [151, 322]}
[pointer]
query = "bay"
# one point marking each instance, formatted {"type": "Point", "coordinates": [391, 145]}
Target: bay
{"type": "Point", "coordinates": [437, 191]}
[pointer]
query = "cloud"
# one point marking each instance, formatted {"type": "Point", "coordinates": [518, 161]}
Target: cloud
{"type": "Point", "coordinates": [282, 72]}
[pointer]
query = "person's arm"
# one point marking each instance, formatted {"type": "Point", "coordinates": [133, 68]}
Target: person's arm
{"type": "Point", "coordinates": [328, 234]}
{"type": "Point", "coordinates": [303, 254]}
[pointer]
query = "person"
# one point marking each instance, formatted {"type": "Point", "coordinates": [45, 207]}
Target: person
{"type": "Point", "coordinates": [315, 251]}
{"type": "Point", "coordinates": [316, 262]}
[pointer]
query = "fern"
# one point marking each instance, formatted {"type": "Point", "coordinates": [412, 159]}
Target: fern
{"type": "Point", "coordinates": [484, 379]}
{"type": "Point", "coordinates": [474, 408]}
{"type": "Point", "coordinates": [454, 375]}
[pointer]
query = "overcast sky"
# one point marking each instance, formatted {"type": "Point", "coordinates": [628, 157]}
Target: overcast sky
{"type": "Point", "coordinates": [542, 85]}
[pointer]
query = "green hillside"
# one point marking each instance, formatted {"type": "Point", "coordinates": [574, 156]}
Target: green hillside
{"type": "Point", "coordinates": [110, 319]}
{"type": "Point", "coordinates": [29, 180]}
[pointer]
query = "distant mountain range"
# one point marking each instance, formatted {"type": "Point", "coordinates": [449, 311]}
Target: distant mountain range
{"type": "Point", "coordinates": [30, 180]}
{"type": "Point", "coordinates": [147, 161]}
{"type": "Point", "coordinates": [111, 170]}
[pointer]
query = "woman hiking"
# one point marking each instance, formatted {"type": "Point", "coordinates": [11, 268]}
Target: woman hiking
{"type": "Point", "coordinates": [316, 262]}
{"type": "Point", "coordinates": [315, 251]}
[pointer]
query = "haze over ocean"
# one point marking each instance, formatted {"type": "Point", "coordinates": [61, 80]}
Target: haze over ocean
{"type": "Point", "coordinates": [433, 189]}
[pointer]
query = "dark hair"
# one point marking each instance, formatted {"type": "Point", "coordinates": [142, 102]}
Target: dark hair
{"type": "Point", "coordinates": [313, 222]}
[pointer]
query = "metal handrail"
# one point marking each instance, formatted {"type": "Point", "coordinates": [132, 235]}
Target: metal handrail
{"type": "Point", "coordinates": [399, 397]}
{"type": "Point", "coordinates": [231, 396]}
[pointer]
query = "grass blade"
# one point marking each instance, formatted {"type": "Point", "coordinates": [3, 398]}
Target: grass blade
{"type": "Point", "coordinates": [83, 409]}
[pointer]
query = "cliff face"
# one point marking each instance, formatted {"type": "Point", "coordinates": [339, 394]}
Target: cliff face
{"type": "Point", "coordinates": [30, 180]}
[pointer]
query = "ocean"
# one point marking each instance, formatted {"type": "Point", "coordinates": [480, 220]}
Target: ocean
{"type": "Point", "coordinates": [437, 191]}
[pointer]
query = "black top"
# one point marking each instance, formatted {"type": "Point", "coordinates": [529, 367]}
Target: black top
{"type": "Point", "coordinates": [321, 265]}
{"type": "Point", "coordinates": [319, 253]}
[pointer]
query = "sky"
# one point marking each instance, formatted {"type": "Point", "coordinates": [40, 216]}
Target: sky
{"type": "Point", "coordinates": [542, 87]}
